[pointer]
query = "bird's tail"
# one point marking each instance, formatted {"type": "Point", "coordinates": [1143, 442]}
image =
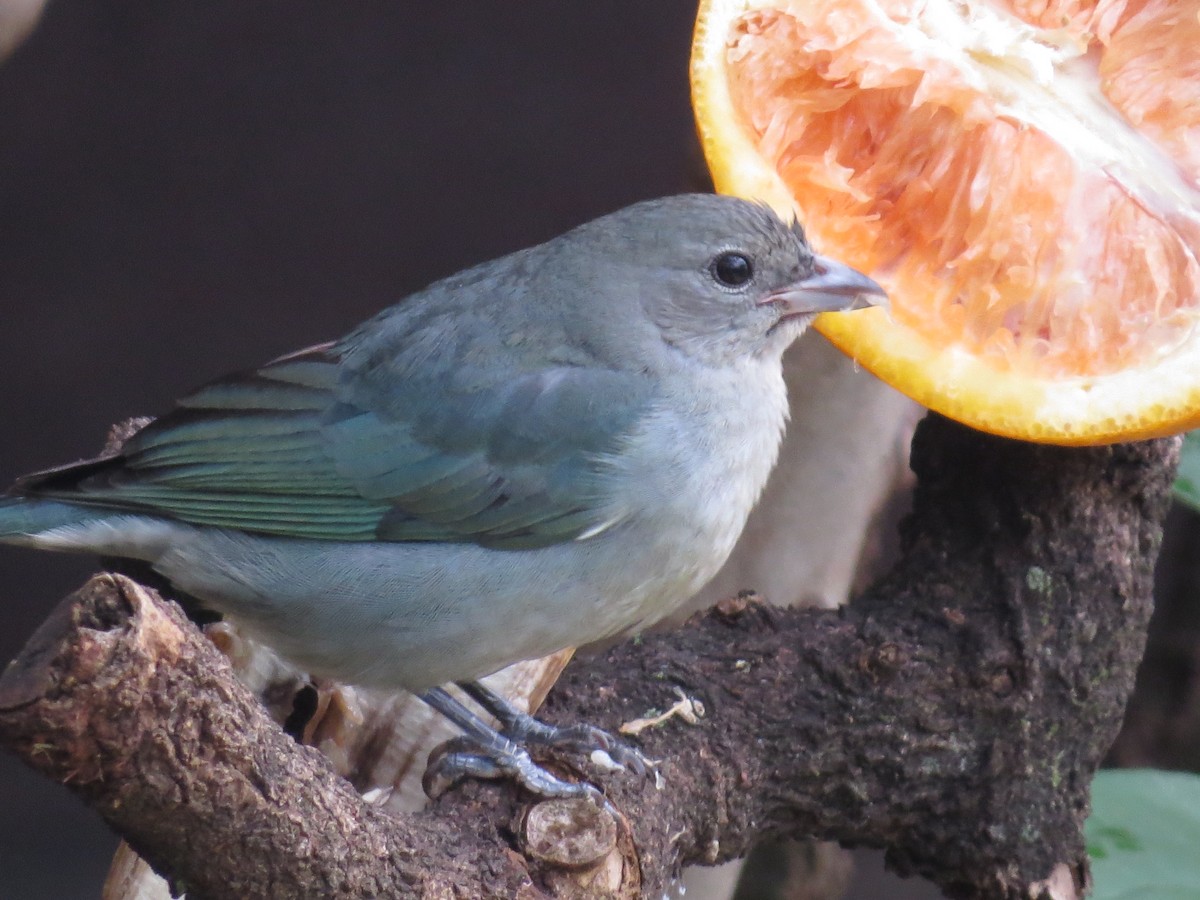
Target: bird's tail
{"type": "Point", "coordinates": [55, 525]}
{"type": "Point", "coordinates": [23, 519]}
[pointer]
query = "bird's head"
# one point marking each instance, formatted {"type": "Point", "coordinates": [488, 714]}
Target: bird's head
{"type": "Point", "coordinates": [720, 277]}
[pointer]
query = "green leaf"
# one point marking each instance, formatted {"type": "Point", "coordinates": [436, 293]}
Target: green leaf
{"type": "Point", "coordinates": [1143, 835]}
{"type": "Point", "coordinates": [1187, 480]}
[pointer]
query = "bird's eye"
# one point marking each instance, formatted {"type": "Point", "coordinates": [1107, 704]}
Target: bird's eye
{"type": "Point", "coordinates": [732, 269]}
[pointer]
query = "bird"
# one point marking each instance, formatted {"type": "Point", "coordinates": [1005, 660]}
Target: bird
{"type": "Point", "coordinates": [552, 448]}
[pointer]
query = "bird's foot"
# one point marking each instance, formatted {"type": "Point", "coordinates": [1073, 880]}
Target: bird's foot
{"type": "Point", "coordinates": [465, 757]}
{"type": "Point", "coordinates": [602, 748]}
{"type": "Point", "coordinates": [485, 752]}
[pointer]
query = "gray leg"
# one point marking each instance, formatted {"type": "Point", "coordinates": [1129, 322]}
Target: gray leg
{"type": "Point", "coordinates": [486, 753]}
{"type": "Point", "coordinates": [525, 729]}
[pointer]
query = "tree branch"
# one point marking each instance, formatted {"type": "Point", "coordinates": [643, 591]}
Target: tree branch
{"type": "Point", "coordinates": [954, 714]}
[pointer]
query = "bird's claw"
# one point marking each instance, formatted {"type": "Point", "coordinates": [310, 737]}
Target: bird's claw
{"type": "Point", "coordinates": [463, 758]}
{"type": "Point", "coordinates": [589, 740]}
{"type": "Point", "coordinates": [485, 752]}
{"type": "Point", "coordinates": [520, 727]}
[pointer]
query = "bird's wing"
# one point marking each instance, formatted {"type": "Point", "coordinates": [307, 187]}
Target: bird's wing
{"type": "Point", "coordinates": [293, 449]}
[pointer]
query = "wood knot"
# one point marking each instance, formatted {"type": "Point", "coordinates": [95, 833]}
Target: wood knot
{"type": "Point", "coordinates": [578, 844]}
{"type": "Point", "coordinates": [572, 833]}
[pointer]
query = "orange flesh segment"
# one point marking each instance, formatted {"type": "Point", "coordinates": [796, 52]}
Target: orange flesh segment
{"type": "Point", "coordinates": [1149, 65]}
{"type": "Point", "coordinates": [991, 236]}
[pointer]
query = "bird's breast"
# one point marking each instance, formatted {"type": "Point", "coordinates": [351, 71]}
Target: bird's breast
{"type": "Point", "coordinates": [690, 473]}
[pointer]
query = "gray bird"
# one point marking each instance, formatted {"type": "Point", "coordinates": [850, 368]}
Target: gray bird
{"type": "Point", "coordinates": [545, 450]}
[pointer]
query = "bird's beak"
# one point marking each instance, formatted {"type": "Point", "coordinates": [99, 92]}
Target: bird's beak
{"type": "Point", "coordinates": [832, 287]}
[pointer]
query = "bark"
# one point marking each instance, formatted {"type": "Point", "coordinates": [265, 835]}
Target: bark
{"type": "Point", "coordinates": [954, 714]}
{"type": "Point", "coordinates": [1162, 724]}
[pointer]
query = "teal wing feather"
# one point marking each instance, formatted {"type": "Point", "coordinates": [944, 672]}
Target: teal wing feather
{"type": "Point", "coordinates": [341, 443]}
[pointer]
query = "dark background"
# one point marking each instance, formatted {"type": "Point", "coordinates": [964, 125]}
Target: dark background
{"type": "Point", "coordinates": [191, 188]}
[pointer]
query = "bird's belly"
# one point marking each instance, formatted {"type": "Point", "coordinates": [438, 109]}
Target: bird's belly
{"type": "Point", "coordinates": [417, 615]}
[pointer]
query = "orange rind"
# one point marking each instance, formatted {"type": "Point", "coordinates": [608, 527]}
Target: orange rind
{"type": "Point", "coordinates": [1022, 177]}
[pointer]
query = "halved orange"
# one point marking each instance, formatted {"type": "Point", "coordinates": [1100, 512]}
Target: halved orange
{"type": "Point", "coordinates": [1021, 175]}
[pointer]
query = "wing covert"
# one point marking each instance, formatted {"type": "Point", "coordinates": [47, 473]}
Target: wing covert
{"type": "Point", "coordinates": [302, 448]}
